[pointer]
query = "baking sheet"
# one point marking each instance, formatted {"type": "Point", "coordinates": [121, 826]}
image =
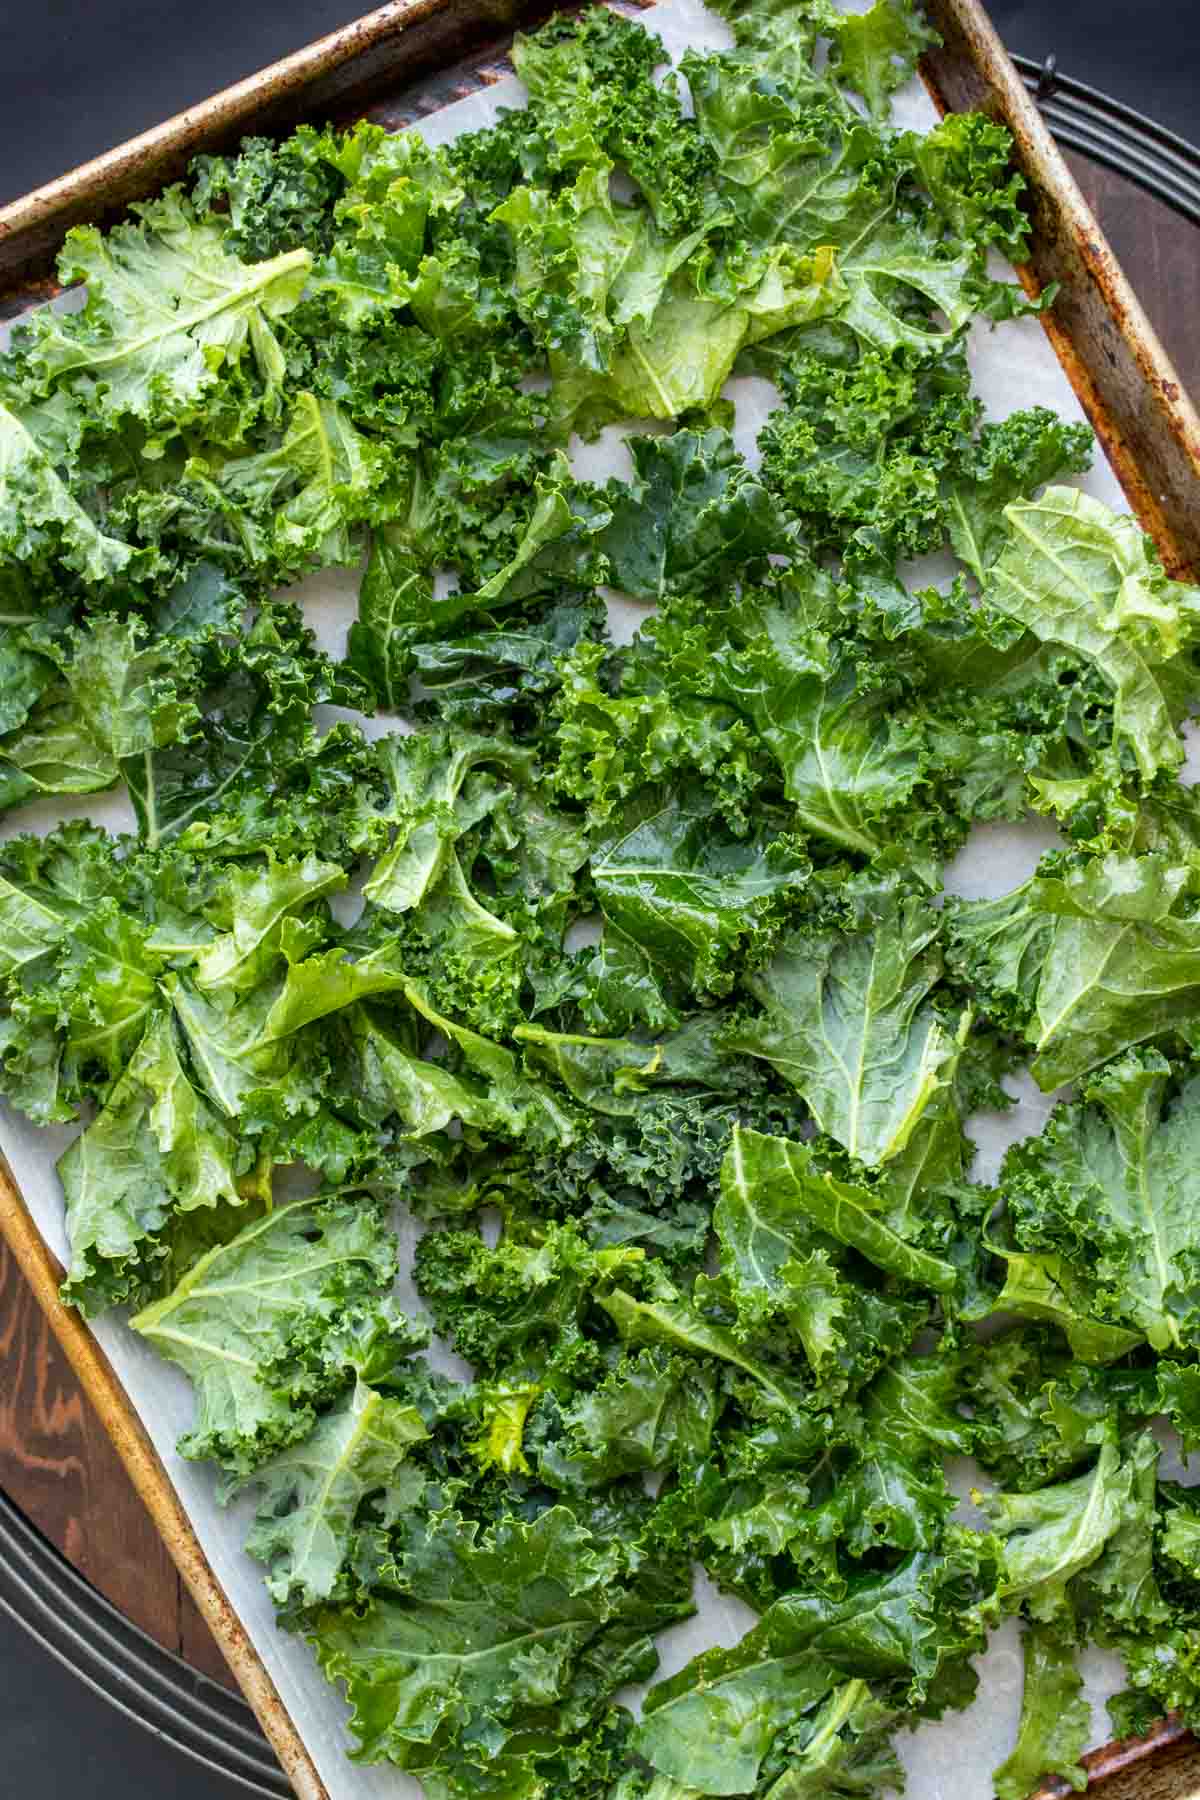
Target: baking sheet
{"type": "Point", "coordinates": [1013, 365]}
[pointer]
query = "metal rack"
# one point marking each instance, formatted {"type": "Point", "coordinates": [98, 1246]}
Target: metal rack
{"type": "Point", "coordinates": [61, 1610]}
{"type": "Point", "coordinates": [1116, 136]}
{"type": "Point", "coordinates": [38, 1588]}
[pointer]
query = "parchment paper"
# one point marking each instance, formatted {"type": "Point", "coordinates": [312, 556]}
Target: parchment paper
{"type": "Point", "coordinates": [1013, 366]}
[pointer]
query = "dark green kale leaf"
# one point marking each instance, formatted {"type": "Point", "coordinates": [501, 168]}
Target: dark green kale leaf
{"type": "Point", "coordinates": [255, 771]}
{"type": "Point", "coordinates": [713, 1726]}
{"type": "Point", "coordinates": [439, 1666]}
{"type": "Point", "coordinates": [693, 518]}
{"type": "Point", "coordinates": [697, 900]}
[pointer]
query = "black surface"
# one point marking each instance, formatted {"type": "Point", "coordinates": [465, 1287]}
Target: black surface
{"type": "Point", "coordinates": [63, 1742]}
{"type": "Point", "coordinates": [81, 75]}
{"type": "Point", "coordinates": [1143, 52]}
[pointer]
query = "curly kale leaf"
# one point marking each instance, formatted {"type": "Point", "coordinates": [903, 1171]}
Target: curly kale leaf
{"type": "Point", "coordinates": [696, 899]}
{"type": "Point", "coordinates": [1086, 963]}
{"type": "Point", "coordinates": [848, 1020]}
{"type": "Point", "coordinates": [1076, 573]}
{"type": "Point", "coordinates": [106, 695]}
{"type": "Point", "coordinates": [653, 1411]}
{"type": "Point", "coordinates": [254, 772]}
{"type": "Point", "coordinates": [156, 1150]}
{"type": "Point", "coordinates": [592, 94]}
{"type": "Point", "coordinates": [39, 515]}
{"type": "Point", "coordinates": [1055, 1719]}
{"type": "Point", "coordinates": [169, 308]}
{"type": "Point", "coordinates": [279, 196]}
{"type": "Point", "coordinates": [269, 1325]}
{"type": "Point", "coordinates": [480, 1630]}
{"type": "Point", "coordinates": [785, 1181]}
{"type": "Point", "coordinates": [311, 1493]}
{"type": "Point", "coordinates": [713, 1726]}
{"type": "Point", "coordinates": [1107, 1189]}
{"type": "Point", "coordinates": [693, 518]}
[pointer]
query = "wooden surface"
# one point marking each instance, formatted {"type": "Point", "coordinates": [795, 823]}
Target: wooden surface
{"type": "Point", "coordinates": [55, 1460]}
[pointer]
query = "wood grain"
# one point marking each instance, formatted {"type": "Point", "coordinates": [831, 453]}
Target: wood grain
{"type": "Point", "coordinates": [56, 1461]}
{"type": "Point", "coordinates": [58, 1464]}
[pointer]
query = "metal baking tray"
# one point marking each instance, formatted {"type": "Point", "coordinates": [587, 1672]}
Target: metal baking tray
{"type": "Point", "coordinates": [403, 61]}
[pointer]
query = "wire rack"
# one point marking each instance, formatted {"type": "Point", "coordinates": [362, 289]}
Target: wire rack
{"type": "Point", "coordinates": [1083, 119]}
{"type": "Point", "coordinates": [38, 1587]}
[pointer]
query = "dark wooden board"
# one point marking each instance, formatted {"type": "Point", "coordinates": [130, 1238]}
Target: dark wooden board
{"type": "Point", "coordinates": [56, 1461]}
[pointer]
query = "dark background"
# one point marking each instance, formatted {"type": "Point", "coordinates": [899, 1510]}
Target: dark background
{"type": "Point", "coordinates": [80, 76]}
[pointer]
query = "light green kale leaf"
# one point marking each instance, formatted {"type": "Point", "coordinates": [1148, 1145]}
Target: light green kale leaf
{"type": "Point", "coordinates": [1042, 1287]}
{"type": "Point", "coordinates": [1108, 1189]}
{"type": "Point", "coordinates": [267, 1325]}
{"type": "Point", "coordinates": [1076, 573]}
{"type": "Point", "coordinates": [766, 1181]}
{"type": "Point", "coordinates": [112, 696]}
{"type": "Point", "coordinates": [292, 507]}
{"type": "Point", "coordinates": [677, 357]}
{"type": "Point", "coordinates": [875, 52]}
{"type": "Point", "coordinates": [1007, 462]}
{"type": "Point", "coordinates": [38, 512]}
{"type": "Point", "coordinates": [430, 795]}
{"type": "Point", "coordinates": [252, 1052]}
{"type": "Point", "coordinates": [1088, 962]}
{"type": "Point", "coordinates": [593, 94]}
{"type": "Point", "coordinates": [845, 1751]}
{"type": "Point", "coordinates": [169, 313]}
{"type": "Point", "coordinates": [1054, 1533]}
{"type": "Point", "coordinates": [851, 760]}
{"type": "Point", "coordinates": [253, 905]}
{"type": "Point", "coordinates": [155, 1150]}
{"type": "Point", "coordinates": [848, 1021]}
{"type": "Point", "coordinates": [311, 1492]}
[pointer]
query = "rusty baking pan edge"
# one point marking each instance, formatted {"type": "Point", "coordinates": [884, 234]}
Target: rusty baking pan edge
{"type": "Point", "coordinates": [1110, 352]}
{"type": "Point", "coordinates": [43, 1272]}
{"type": "Point", "coordinates": [1121, 374]}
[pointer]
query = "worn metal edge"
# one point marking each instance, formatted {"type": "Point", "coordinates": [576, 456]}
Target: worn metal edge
{"type": "Point", "coordinates": [1110, 352]}
{"type": "Point", "coordinates": [154, 1487]}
